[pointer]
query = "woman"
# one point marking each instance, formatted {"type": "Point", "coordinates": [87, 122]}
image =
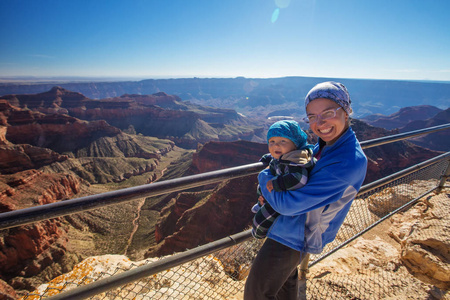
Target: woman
{"type": "Point", "coordinates": [310, 216]}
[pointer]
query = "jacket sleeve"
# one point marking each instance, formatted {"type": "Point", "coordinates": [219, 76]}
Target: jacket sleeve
{"type": "Point", "coordinates": [325, 186]}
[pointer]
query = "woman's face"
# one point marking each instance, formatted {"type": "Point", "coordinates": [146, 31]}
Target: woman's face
{"type": "Point", "coordinates": [328, 130]}
{"type": "Point", "coordinates": [279, 146]}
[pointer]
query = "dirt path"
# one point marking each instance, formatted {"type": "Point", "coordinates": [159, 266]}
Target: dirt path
{"type": "Point", "coordinates": [135, 224]}
{"type": "Point", "coordinates": [138, 215]}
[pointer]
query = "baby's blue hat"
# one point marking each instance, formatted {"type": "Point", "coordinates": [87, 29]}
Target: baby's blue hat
{"type": "Point", "coordinates": [334, 91]}
{"type": "Point", "coordinates": [291, 130]}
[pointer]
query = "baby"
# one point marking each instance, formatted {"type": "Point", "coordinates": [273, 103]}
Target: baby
{"type": "Point", "coordinates": [290, 160]}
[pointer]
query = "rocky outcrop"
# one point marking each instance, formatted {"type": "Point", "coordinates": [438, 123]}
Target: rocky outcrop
{"type": "Point", "coordinates": [204, 276]}
{"type": "Point", "coordinates": [6, 291]}
{"type": "Point", "coordinates": [29, 250]}
{"type": "Point", "coordinates": [66, 137]}
{"type": "Point", "coordinates": [17, 158]}
{"type": "Point", "coordinates": [226, 208]}
{"type": "Point", "coordinates": [125, 145]}
{"type": "Point", "coordinates": [414, 118]}
{"type": "Point", "coordinates": [404, 255]}
{"type": "Point", "coordinates": [160, 99]}
{"type": "Point", "coordinates": [158, 115]}
{"type": "Point", "coordinates": [424, 235]}
{"type": "Point", "coordinates": [221, 155]}
{"type": "Point", "coordinates": [59, 132]}
{"type": "Point", "coordinates": [33, 187]}
{"type": "Point", "coordinates": [226, 211]}
{"type": "Point", "coordinates": [54, 98]}
{"type": "Point", "coordinates": [440, 140]}
{"type": "Point", "coordinates": [3, 140]}
{"type": "Point", "coordinates": [394, 197]}
{"type": "Point", "coordinates": [390, 158]}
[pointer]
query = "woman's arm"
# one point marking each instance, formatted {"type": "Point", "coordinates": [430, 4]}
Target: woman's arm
{"type": "Point", "coordinates": [324, 187]}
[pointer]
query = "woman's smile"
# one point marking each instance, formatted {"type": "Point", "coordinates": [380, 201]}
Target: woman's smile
{"type": "Point", "coordinates": [329, 130]}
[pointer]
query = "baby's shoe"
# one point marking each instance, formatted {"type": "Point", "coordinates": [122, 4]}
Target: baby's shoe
{"type": "Point", "coordinates": [255, 208]}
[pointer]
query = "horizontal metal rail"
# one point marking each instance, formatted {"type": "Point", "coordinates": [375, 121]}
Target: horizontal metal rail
{"type": "Point", "coordinates": [63, 208]}
{"type": "Point", "coordinates": [67, 207]}
{"type": "Point", "coordinates": [126, 277]}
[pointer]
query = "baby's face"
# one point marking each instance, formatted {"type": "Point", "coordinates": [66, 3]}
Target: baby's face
{"type": "Point", "coordinates": [279, 146]}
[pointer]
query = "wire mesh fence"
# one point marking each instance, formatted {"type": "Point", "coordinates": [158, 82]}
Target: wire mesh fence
{"type": "Point", "coordinates": [370, 207]}
{"type": "Point", "coordinates": [378, 277]}
{"type": "Point", "coordinates": [221, 274]}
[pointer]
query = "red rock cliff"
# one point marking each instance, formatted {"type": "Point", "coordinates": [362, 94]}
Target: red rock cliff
{"type": "Point", "coordinates": [226, 209]}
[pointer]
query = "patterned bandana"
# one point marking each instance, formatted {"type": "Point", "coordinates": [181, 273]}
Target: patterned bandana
{"type": "Point", "coordinates": [334, 91]}
{"type": "Point", "coordinates": [291, 130]}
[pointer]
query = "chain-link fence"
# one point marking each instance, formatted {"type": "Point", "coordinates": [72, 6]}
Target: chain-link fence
{"type": "Point", "coordinates": [221, 273]}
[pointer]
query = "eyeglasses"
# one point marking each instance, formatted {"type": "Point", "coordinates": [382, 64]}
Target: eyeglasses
{"type": "Point", "coordinates": [325, 115]}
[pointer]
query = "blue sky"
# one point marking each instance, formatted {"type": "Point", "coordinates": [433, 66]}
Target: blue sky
{"type": "Point", "coordinates": [380, 39]}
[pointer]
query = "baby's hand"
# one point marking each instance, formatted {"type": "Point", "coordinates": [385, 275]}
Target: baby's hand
{"type": "Point", "coordinates": [261, 200]}
{"type": "Point", "coordinates": [269, 186]}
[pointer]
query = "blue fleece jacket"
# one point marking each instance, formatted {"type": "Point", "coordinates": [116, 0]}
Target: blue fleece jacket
{"type": "Point", "coordinates": [311, 216]}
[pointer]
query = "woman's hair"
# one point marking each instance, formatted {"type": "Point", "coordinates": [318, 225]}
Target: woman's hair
{"type": "Point", "coordinates": [334, 91]}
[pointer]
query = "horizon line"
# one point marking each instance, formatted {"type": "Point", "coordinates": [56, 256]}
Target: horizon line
{"type": "Point", "coordinates": [76, 78]}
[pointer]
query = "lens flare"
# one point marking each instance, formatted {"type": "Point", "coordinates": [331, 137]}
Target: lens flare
{"type": "Point", "coordinates": [275, 15]}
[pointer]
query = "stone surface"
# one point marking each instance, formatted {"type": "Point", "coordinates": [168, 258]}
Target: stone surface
{"type": "Point", "coordinates": [6, 291]}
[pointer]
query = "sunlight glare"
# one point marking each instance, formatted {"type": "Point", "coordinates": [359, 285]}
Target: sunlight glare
{"type": "Point", "coordinates": [275, 15]}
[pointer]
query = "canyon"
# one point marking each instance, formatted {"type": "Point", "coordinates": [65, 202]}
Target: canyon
{"type": "Point", "coordinates": [60, 145]}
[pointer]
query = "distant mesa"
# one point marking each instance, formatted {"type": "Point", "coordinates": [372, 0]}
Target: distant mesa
{"type": "Point", "coordinates": [251, 96]}
{"type": "Point", "coordinates": [159, 115]}
{"type": "Point", "coordinates": [403, 116]}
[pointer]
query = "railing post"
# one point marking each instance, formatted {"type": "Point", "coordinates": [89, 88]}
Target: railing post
{"type": "Point", "coordinates": [304, 266]}
{"type": "Point", "coordinates": [443, 178]}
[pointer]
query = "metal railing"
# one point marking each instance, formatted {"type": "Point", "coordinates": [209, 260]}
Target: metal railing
{"type": "Point", "coordinates": [232, 255]}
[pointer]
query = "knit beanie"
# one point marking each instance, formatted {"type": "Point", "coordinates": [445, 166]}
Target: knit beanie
{"type": "Point", "coordinates": [334, 91]}
{"type": "Point", "coordinates": [291, 130]}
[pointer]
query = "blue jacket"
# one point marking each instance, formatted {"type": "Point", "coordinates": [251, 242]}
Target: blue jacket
{"type": "Point", "coordinates": [311, 216]}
